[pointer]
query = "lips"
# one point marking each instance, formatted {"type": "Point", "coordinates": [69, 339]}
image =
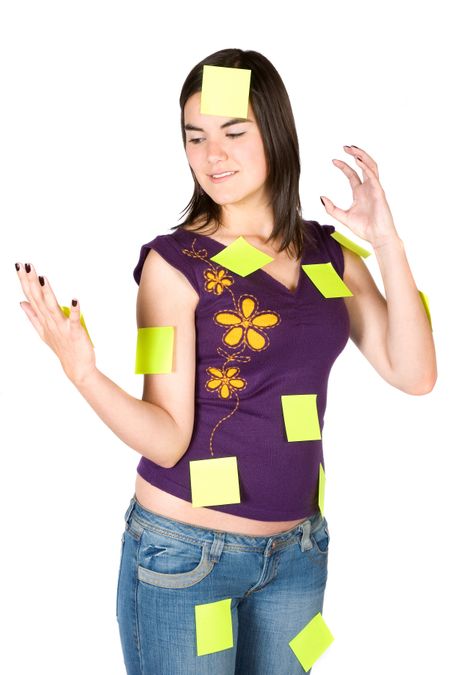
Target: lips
{"type": "Point", "coordinates": [222, 176]}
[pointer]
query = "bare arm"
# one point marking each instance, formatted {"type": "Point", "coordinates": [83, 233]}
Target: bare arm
{"type": "Point", "coordinates": [160, 425]}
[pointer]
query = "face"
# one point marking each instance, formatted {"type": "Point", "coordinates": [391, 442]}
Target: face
{"type": "Point", "coordinates": [226, 155]}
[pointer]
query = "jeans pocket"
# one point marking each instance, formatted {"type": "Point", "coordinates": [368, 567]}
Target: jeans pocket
{"type": "Point", "coordinates": [321, 538]}
{"type": "Point", "coordinates": [169, 562]}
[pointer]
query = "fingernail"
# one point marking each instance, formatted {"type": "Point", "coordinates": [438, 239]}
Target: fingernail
{"type": "Point", "coordinates": [41, 281]}
{"type": "Point", "coordinates": [17, 266]}
{"type": "Point", "coordinates": [355, 146]}
{"type": "Point", "coordinates": [27, 267]}
{"type": "Point", "coordinates": [348, 146]}
{"type": "Point", "coordinates": [74, 303]}
{"type": "Point", "coordinates": [322, 201]}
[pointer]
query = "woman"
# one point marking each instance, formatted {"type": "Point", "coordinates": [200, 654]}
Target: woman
{"type": "Point", "coordinates": [243, 345]}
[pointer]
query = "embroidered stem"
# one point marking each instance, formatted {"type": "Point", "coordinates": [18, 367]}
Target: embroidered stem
{"type": "Point", "coordinates": [220, 422]}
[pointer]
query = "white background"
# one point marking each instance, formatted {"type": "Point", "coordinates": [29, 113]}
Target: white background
{"type": "Point", "coordinates": [92, 166]}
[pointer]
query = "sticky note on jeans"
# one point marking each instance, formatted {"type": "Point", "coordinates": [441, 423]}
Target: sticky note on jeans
{"type": "Point", "coordinates": [327, 280]}
{"type": "Point", "coordinates": [321, 498]}
{"type": "Point", "coordinates": [213, 627]}
{"type": "Point", "coordinates": [66, 311]}
{"type": "Point", "coordinates": [424, 299]}
{"type": "Point", "coordinates": [311, 642]}
{"type": "Point", "coordinates": [241, 257]}
{"type": "Point", "coordinates": [348, 243]}
{"type": "Point", "coordinates": [214, 481]}
{"type": "Point", "coordinates": [301, 420]}
{"type": "Point", "coordinates": [154, 350]}
{"type": "Point", "coordinates": [225, 91]}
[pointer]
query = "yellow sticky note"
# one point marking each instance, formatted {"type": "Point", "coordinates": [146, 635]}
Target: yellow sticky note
{"type": "Point", "coordinates": [300, 417]}
{"type": "Point", "coordinates": [66, 311]}
{"type": "Point", "coordinates": [214, 627]}
{"type": "Point", "coordinates": [327, 280]}
{"type": "Point", "coordinates": [225, 91]}
{"type": "Point", "coordinates": [348, 243]}
{"type": "Point", "coordinates": [214, 481]}
{"type": "Point", "coordinates": [241, 257]}
{"type": "Point", "coordinates": [154, 350]}
{"type": "Point", "coordinates": [311, 642]}
{"type": "Point", "coordinates": [321, 489]}
{"type": "Point", "coordinates": [424, 299]}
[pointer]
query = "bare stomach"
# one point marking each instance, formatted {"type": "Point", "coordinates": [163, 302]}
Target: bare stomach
{"type": "Point", "coordinates": [165, 504]}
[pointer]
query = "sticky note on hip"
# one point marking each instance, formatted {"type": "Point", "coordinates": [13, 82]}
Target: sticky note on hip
{"type": "Point", "coordinates": [154, 350]}
{"type": "Point", "coordinates": [225, 91]}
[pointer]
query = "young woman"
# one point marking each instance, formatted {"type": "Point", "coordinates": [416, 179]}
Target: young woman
{"type": "Point", "coordinates": [243, 344]}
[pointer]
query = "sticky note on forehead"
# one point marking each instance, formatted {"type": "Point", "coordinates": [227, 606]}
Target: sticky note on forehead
{"type": "Point", "coordinates": [154, 350]}
{"type": "Point", "coordinates": [225, 91]}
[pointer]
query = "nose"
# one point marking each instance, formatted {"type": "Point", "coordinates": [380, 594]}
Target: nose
{"type": "Point", "coordinates": [215, 152]}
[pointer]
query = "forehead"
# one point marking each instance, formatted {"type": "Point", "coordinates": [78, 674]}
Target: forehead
{"type": "Point", "coordinates": [192, 112]}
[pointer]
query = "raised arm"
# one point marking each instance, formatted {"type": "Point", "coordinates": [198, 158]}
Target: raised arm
{"type": "Point", "coordinates": [160, 425]}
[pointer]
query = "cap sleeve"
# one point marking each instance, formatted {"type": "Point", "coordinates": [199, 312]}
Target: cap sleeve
{"type": "Point", "coordinates": [329, 246]}
{"type": "Point", "coordinates": [171, 250]}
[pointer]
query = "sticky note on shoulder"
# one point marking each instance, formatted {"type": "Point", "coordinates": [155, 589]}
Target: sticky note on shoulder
{"type": "Point", "coordinates": [214, 481]}
{"type": "Point", "coordinates": [327, 280]}
{"type": "Point", "coordinates": [241, 257]}
{"type": "Point", "coordinates": [301, 420]}
{"type": "Point", "coordinates": [154, 350]}
{"type": "Point", "coordinates": [311, 642]}
{"type": "Point", "coordinates": [351, 245]}
{"type": "Point", "coordinates": [225, 91]}
{"type": "Point", "coordinates": [213, 627]}
{"type": "Point", "coordinates": [66, 311]}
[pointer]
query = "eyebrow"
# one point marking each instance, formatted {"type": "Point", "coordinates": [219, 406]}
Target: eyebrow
{"type": "Point", "coordinates": [235, 120]}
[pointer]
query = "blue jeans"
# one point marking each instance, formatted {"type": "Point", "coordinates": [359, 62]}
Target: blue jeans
{"type": "Point", "coordinates": [276, 585]}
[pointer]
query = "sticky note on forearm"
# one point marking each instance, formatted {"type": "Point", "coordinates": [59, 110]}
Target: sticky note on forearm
{"type": "Point", "coordinates": [311, 642]}
{"type": "Point", "coordinates": [66, 311]}
{"type": "Point", "coordinates": [327, 280]}
{"type": "Point", "coordinates": [213, 627]}
{"type": "Point", "coordinates": [301, 420]}
{"type": "Point", "coordinates": [225, 91]}
{"type": "Point", "coordinates": [214, 481]}
{"type": "Point", "coordinates": [348, 243]}
{"type": "Point", "coordinates": [424, 299]}
{"type": "Point", "coordinates": [154, 350]}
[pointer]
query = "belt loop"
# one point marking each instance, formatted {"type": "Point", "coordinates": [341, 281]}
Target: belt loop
{"type": "Point", "coordinates": [217, 546]}
{"type": "Point", "coordinates": [306, 543]}
{"type": "Point", "coordinates": [130, 509]}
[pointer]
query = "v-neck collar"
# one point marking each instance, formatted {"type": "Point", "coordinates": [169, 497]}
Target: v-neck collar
{"type": "Point", "coordinates": [260, 270]}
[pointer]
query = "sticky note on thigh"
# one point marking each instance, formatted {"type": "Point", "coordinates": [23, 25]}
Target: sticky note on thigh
{"type": "Point", "coordinates": [66, 311]}
{"type": "Point", "coordinates": [321, 490]}
{"type": "Point", "coordinates": [225, 91]}
{"type": "Point", "coordinates": [424, 299]}
{"type": "Point", "coordinates": [213, 627]}
{"type": "Point", "coordinates": [241, 257]}
{"type": "Point", "coordinates": [327, 280]}
{"type": "Point", "coordinates": [214, 481]}
{"type": "Point", "coordinates": [311, 642]}
{"type": "Point", "coordinates": [348, 243]}
{"type": "Point", "coordinates": [154, 350]}
{"type": "Point", "coordinates": [301, 420]}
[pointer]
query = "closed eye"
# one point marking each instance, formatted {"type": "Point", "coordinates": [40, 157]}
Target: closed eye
{"type": "Point", "coordinates": [196, 141]}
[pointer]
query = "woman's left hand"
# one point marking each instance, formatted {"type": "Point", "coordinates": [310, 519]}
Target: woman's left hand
{"type": "Point", "coordinates": [369, 216]}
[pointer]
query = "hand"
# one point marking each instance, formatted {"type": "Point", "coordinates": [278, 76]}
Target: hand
{"type": "Point", "coordinates": [65, 336]}
{"type": "Point", "coordinates": [369, 216]}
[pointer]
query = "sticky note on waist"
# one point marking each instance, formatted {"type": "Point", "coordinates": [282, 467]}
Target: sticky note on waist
{"type": "Point", "coordinates": [214, 481]}
{"type": "Point", "coordinates": [213, 627]}
{"type": "Point", "coordinates": [327, 280]}
{"type": "Point", "coordinates": [225, 91]}
{"type": "Point", "coordinates": [154, 350]}
{"type": "Point", "coordinates": [300, 417]}
{"type": "Point", "coordinates": [241, 257]}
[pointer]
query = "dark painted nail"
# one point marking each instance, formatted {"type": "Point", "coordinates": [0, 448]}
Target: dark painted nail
{"type": "Point", "coordinates": [322, 201]}
{"type": "Point", "coordinates": [74, 303]}
{"type": "Point", "coordinates": [27, 267]}
{"type": "Point", "coordinates": [355, 146]}
{"type": "Point", "coordinates": [41, 281]}
{"type": "Point", "coordinates": [17, 266]}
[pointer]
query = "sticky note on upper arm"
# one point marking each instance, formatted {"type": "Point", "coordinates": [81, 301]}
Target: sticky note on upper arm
{"type": "Point", "coordinates": [327, 280]}
{"type": "Point", "coordinates": [424, 299]}
{"type": "Point", "coordinates": [241, 257]}
{"type": "Point", "coordinates": [301, 420]}
{"type": "Point", "coordinates": [311, 642]}
{"type": "Point", "coordinates": [213, 627]}
{"type": "Point", "coordinates": [214, 481]}
{"type": "Point", "coordinates": [66, 311]}
{"type": "Point", "coordinates": [348, 243]}
{"type": "Point", "coordinates": [225, 91]}
{"type": "Point", "coordinates": [321, 498]}
{"type": "Point", "coordinates": [154, 350]}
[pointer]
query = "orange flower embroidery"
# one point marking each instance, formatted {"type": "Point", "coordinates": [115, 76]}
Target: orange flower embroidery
{"type": "Point", "coordinates": [246, 324]}
{"type": "Point", "coordinates": [216, 280]}
{"type": "Point", "coordinates": [225, 380]}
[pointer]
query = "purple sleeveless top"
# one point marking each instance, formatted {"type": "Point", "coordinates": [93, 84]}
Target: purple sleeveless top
{"type": "Point", "coordinates": [267, 341]}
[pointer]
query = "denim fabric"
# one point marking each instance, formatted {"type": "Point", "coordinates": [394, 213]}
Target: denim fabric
{"type": "Point", "coordinates": [276, 585]}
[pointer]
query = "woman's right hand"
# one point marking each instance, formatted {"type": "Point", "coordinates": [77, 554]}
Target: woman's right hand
{"type": "Point", "coordinates": [65, 336]}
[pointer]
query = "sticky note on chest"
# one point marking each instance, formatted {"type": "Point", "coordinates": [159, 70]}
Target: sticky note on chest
{"type": "Point", "coordinates": [214, 481]}
{"type": "Point", "coordinates": [327, 280]}
{"type": "Point", "coordinates": [301, 420]}
{"type": "Point", "coordinates": [213, 627]}
{"type": "Point", "coordinates": [154, 350]}
{"type": "Point", "coordinates": [241, 257]}
{"type": "Point", "coordinates": [311, 642]}
{"type": "Point", "coordinates": [225, 91]}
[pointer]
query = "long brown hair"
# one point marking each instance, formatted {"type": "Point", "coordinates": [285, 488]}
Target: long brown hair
{"type": "Point", "coordinates": [273, 114]}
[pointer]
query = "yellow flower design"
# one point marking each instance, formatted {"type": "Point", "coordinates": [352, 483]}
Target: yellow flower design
{"type": "Point", "coordinates": [225, 381]}
{"type": "Point", "coordinates": [247, 324]}
{"type": "Point", "coordinates": [216, 280]}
